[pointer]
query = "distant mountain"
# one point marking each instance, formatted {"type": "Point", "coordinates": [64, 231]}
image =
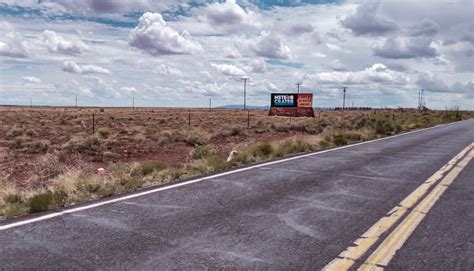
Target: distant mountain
{"type": "Point", "coordinates": [239, 106]}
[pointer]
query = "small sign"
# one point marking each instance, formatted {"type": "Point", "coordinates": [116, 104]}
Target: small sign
{"type": "Point", "coordinates": [305, 100]}
{"type": "Point", "coordinates": [283, 100]}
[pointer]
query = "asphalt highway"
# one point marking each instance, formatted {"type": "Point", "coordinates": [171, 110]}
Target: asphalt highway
{"type": "Point", "coordinates": [296, 214]}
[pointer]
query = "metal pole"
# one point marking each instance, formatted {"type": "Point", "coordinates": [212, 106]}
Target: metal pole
{"type": "Point", "coordinates": [210, 104]}
{"type": "Point", "coordinates": [189, 119]}
{"type": "Point", "coordinates": [76, 101]}
{"type": "Point", "coordinates": [133, 102]}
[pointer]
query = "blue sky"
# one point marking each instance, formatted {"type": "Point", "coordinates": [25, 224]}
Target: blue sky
{"type": "Point", "coordinates": [180, 53]}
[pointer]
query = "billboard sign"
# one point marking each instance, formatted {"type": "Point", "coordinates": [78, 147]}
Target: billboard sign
{"type": "Point", "coordinates": [305, 100]}
{"type": "Point", "coordinates": [301, 100]}
{"type": "Point", "coordinates": [283, 100]}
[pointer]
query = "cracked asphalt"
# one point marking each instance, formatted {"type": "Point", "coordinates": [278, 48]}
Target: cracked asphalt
{"type": "Point", "coordinates": [293, 215]}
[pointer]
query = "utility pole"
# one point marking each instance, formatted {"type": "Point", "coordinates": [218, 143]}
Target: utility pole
{"type": "Point", "coordinates": [31, 103]}
{"type": "Point", "coordinates": [210, 104]}
{"type": "Point", "coordinates": [298, 86]}
{"type": "Point", "coordinates": [76, 100]}
{"type": "Point", "coordinates": [245, 79]}
{"type": "Point", "coordinates": [133, 102]}
{"type": "Point", "coordinates": [344, 89]}
{"type": "Point", "coordinates": [422, 98]}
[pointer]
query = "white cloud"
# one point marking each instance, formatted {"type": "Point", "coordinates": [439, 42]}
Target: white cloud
{"type": "Point", "coordinates": [31, 79]}
{"type": "Point", "coordinates": [377, 73]}
{"type": "Point", "coordinates": [73, 67]}
{"type": "Point", "coordinates": [231, 52]}
{"type": "Point", "coordinates": [13, 44]}
{"type": "Point", "coordinates": [257, 66]}
{"type": "Point", "coordinates": [229, 16]}
{"type": "Point", "coordinates": [57, 44]}
{"type": "Point", "coordinates": [271, 45]}
{"type": "Point", "coordinates": [228, 69]}
{"type": "Point", "coordinates": [155, 37]}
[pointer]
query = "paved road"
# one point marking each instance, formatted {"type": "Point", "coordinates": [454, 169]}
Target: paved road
{"type": "Point", "coordinates": [298, 214]}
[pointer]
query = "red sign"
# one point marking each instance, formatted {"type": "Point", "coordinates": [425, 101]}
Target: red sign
{"type": "Point", "coordinates": [305, 100]}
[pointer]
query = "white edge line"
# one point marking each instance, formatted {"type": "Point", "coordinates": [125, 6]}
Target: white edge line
{"type": "Point", "coordinates": [139, 194]}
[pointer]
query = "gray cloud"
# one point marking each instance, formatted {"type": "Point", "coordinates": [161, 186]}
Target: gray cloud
{"type": "Point", "coordinates": [413, 48]}
{"type": "Point", "coordinates": [366, 21]}
{"type": "Point", "coordinates": [426, 28]}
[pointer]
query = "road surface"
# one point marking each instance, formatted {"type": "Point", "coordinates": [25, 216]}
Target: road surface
{"type": "Point", "coordinates": [351, 207]}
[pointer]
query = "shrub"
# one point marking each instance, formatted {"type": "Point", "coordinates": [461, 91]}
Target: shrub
{"type": "Point", "coordinates": [263, 150]}
{"type": "Point", "coordinates": [15, 132]}
{"type": "Point", "coordinates": [90, 145]}
{"type": "Point", "coordinates": [104, 133]}
{"type": "Point", "coordinates": [37, 148]}
{"type": "Point", "coordinates": [339, 140]}
{"type": "Point", "coordinates": [324, 144]}
{"type": "Point", "coordinates": [292, 146]}
{"type": "Point", "coordinates": [200, 152]}
{"type": "Point", "coordinates": [13, 198]}
{"type": "Point", "coordinates": [147, 167]}
{"type": "Point", "coordinates": [383, 127]}
{"type": "Point", "coordinates": [40, 202]}
{"type": "Point", "coordinates": [196, 137]}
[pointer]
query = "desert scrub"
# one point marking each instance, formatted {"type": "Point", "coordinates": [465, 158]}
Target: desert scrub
{"type": "Point", "coordinates": [196, 137]}
{"type": "Point", "coordinates": [89, 145]}
{"type": "Point", "coordinates": [293, 146]}
{"type": "Point", "coordinates": [148, 167]}
{"type": "Point", "coordinates": [104, 133]}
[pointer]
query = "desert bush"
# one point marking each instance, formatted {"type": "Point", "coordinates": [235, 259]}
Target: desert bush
{"type": "Point", "coordinates": [104, 133]}
{"type": "Point", "coordinates": [383, 127]}
{"type": "Point", "coordinates": [292, 146]}
{"type": "Point", "coordinates": [339, 140]}
{"type": "Point", "coordinates": [200, 152]}
{"type": "Point", "coordinates": [47, 168]}
{"type": "Point", "coordinates": [263, 150]}
{"type": "Point", "coordinates": [196, 137]}
{"type": "Point", "coordinates": [90, 145]}
{"type": "Point", "coordinates": [15, 132]}
{"type": "Point", "coordinates": [147, 167]}
{"type": "Point", "coordinates": [37, 148]}
{"type": "Point", "coordinates": [41, 202]}
{"type": "Point", "coordinates": [324, 144]}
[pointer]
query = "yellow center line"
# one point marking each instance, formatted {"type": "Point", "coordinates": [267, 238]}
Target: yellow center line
{"type": "Point", "coordinates": [360, 246]}
{"type": "Point", "coordinates": [388, 248]}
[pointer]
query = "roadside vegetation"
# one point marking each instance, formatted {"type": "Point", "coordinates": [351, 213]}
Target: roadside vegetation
{"type": "Point", "coordinates": [87, 167]}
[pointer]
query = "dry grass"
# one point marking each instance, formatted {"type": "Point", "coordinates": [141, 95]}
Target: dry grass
{"type": "Point", "coordinates": [49, 157]}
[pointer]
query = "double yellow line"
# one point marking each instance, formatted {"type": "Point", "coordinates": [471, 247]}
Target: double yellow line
{"type": "Point", "coordinates": [381, 257]}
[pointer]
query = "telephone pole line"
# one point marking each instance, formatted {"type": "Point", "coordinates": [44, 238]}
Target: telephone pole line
{"type": "Point", "coordinates": [245, 79]}
{"type": "Point", "coordinates": [298, 86]}
{"type": "Point", "coordinates": [76, 101]}
{"type": "Point", "coordinates": [344, 89]}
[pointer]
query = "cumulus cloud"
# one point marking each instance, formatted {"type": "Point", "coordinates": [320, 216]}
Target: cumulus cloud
{"type": "Point", "coordinates": [230, 16]}
{"type": "Point", "coordinates": [73, 67]}
{"type": "Point", "coordinates": [366, 21]}
{"type": "Point", "coordinates": [228, 69]}
{"type": "Point", "coordinates": [13, 44]}
{"type": "Point", "coordinates": [57, 44]}
{"type": "Point", "coordinates": [270, 45]}
{"type": "Point", "coordinates": [412, 48]}
{"type": "Point", "coordinates": [231, 52]}
{"type": "Point", "coordinates": [31, 80]}
{"type": "Point", "coordinates": [257, 66]}
{"type": "Point", "coordinates": [153, 36]}
{"type": "Point", "coordinates": [377, 73]}
{"type": "Point", "coordinates": [89, 7]}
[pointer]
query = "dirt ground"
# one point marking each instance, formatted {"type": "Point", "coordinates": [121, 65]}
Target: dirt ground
{"type": "Point", "coordinates": [28, 135]}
